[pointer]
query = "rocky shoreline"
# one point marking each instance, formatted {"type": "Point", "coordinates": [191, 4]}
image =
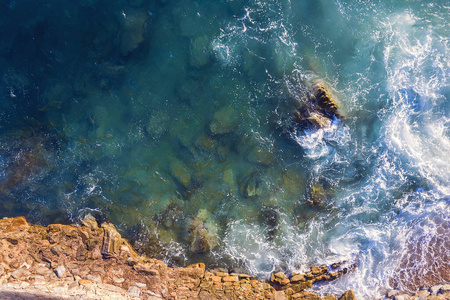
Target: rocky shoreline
{"type": "Point", "coordinates": [95, 262]}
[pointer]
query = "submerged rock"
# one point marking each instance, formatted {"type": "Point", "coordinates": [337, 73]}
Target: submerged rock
{"type": "Point", "coordinates": [203, 233]}
{"type": "Point", "coordinates": [181, 172]}
{"type": "Point", "coordinates": [133, 30]}
{"type": "Point", "coordinates": [270, 217]}
{"type": "Point", "coordinates": [250, 185]}
{"type": "Point", "coordinates": [261, 154]}
{"type": "Point", "coordinates": [200, 51]}
{"type": "Point", "coordinates": [225, 120]}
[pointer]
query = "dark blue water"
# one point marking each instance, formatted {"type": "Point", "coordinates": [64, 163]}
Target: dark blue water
{"type": "Point", "coordinates": [175, 120]}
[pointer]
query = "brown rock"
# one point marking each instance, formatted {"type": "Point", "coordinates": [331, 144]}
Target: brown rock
{"type": "Point", "coordinates": [348, 295]}
{"type": "Point", "coordinates": [90, 222]}
{"type": "Point", "coordinates": [302, 286]}
{"type": "Point", "coordinates": [111, 240]}
{"type": "Point", "coordinates": [81, 253]}
{"type": "Point", "coordinates": [230, 279]}
{"type": "Point", "coordinates": [279, 295]}
{"type": "Point", "coordinates": [306, 296]}
{"type": "Point", "coordinates": [297, 278]}
{"type": "Point", "coordinates": [280, 275]}
{"type": "Point", "coordinates": [329, 297]}
{"type": "Point", "coordinates": [20, 273]}
{"type": "Point", "coordinates": [146, 269]}
{"type": "Point", "coordinates": [13, 224]}
{"type": "Point", "coordinates": [85, 282]}
{"type": "Point", "coordinates": [12, 241]}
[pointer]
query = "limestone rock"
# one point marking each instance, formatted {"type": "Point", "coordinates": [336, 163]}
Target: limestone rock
{"type": "Point", "coordinates": [444, 288]}
{"type": "Point", "coordinates": [117, 276]}
{"type": "Point", "coordinates": [60, 271]}
{"type": "Point", "coordinates": [302, 285]}
{"type": "Point", "coordinates": [133, 291]}
{"type": "Point", "coordinates": [20, 273]}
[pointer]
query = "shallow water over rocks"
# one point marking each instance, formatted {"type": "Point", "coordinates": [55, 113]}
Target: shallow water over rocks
{"type": "Point", "coordinates": [176, 121]}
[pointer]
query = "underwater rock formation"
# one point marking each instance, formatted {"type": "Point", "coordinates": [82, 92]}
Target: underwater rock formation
{"type": "Point", "coordinates": [133, 31]}
{"type": "Point", "coordinates": [225, 120]}
{"type": "Point", "coordinates": [250, 185]}
{"type": "Point", "coordinates": [203, 233]}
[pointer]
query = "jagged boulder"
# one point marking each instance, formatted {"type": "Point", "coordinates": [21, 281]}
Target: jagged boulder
{"type": "Point", "coordinates": [317, 109]}
{"type": "Point", "coordinates": [348, 295]}
{"type": "Point", "coordinates": [111, 240]}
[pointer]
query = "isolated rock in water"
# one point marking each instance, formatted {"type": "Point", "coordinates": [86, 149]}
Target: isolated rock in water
{"type": "Point", "coordinates": [325, 103]}
{"type": "Point", "coordinates": [133, 31]}
{"type": "Point", "coordinates": [317, 109]}
{"type": "Point", "coordinates": [203, 233]}
{"type": "Point", "coordinates": [225, 120]}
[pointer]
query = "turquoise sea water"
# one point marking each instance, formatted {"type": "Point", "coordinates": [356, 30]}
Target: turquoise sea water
{"type": "Point", "coordinates": [174, 120]}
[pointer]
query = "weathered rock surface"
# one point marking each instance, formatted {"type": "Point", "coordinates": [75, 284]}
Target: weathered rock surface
{"type": "Point", "coordinates": [44, 263]}
{"type": "Point", "coordinates": [318, 108]}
